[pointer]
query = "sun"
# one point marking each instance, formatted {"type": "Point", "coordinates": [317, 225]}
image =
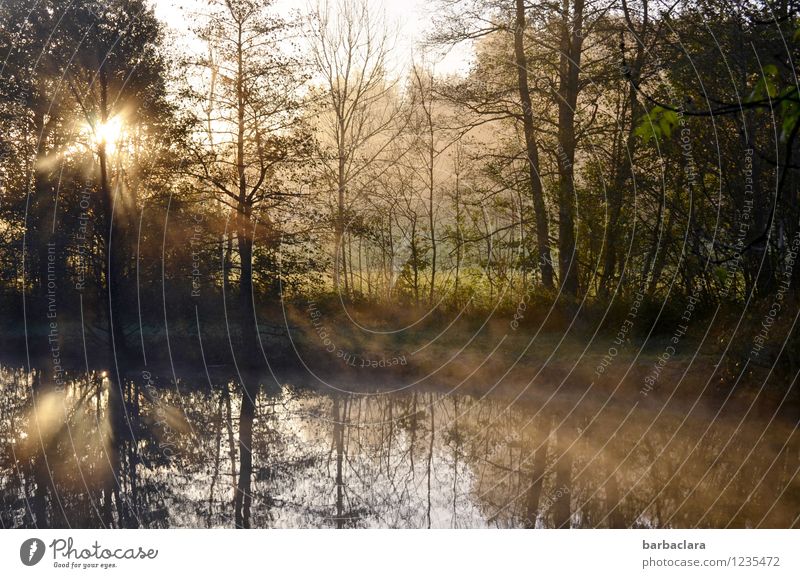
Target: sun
{"type": "Point", "coordinates": [109, 133]}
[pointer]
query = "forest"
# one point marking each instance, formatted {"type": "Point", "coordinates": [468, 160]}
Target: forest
{"type": "Point", "coordinates": [232, 230]}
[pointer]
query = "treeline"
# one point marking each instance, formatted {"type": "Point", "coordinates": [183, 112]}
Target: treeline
{"type": "Point", "coordinates": [595, 152]}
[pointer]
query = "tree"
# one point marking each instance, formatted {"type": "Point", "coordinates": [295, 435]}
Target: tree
{"type": "Point", "coordinates": [469, 20]}
{"type": "Point", "coordinates": [571, 32]}
{"type": "Point", "coordinates": [90, 81]}
{"type": "Point", "coordinates": [246, 136]}
{"type": "Point", "coordinates": [359, 110]}
{"type": "Point", "coordinates": [117, 77]}
{"type": "Point", "coordinates": [532, 147]}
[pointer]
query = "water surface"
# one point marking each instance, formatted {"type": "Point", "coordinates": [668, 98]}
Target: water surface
{"type": "Point", "coordinates": [415, 458]}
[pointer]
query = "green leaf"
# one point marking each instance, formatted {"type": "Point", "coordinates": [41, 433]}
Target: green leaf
{"type": "Point", "coordinates": [789, 123]}
{"type": "Point", "coordinates": [646, 129]}
{"type": "Point", "coordinates": [668, 121]}
{"type": "Point", "coordinates": [767, 85]}
{"type": "Point", "coordinates": [789, 111]}
{"type": "Point", "coordinates": [657, 123]}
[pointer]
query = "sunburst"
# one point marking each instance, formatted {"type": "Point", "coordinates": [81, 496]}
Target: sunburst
{"type": "Point", "coordinates": [109, 133]}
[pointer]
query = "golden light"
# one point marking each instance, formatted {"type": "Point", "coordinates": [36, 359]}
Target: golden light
{"type": "Point", "coordinates": [109, 133]}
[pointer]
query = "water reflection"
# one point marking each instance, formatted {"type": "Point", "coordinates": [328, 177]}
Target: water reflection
{"type": "Point", "coordinates": [213, 456]}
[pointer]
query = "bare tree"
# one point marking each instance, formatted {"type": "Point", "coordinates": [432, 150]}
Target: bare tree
{"type": "Point", "coordinates": [360, 111]}
{"type": "Point", "coordinates": [423, 81]}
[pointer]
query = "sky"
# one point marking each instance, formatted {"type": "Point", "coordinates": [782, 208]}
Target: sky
{"type": "Point", "coordinates": [410, 17]}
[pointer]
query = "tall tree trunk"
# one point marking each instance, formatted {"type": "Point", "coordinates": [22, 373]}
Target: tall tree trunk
{"type": "Point", "coordinates": [250, 385]}
{"type": "Point", "coordinates": [244, 233]}
{"type": "Point", "coordinates": [339, 259]}
{"type": "Point", "coordinates": [246, 302]}
{"type": "Point", "coordinates": [350, 262]}
{"type": "Point", "coordinates": [415, 260]}
{"type": "Point", "coordinates": [431, 216]}
{"type": "Point", "coordinates": [659, 251]}
{"type": "Point", "coordinates": [532, 149]}
{"type": "Point", "coordinates": [626, 153]}
{"type": "Point", "coordinates": [569, 69]}
{"type": "Point", "coordinates": [616, 193]}
{"type": "Point", "coordinates": [227, 262]}
{"type": "Point", "coordinates": [457, 199]}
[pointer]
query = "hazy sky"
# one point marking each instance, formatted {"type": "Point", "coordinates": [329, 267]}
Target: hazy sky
{"type": "Point", "coordinates": [410, 17]}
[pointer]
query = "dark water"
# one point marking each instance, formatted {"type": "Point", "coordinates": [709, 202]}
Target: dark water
{"type": "Point", "coordinates": [407, 459]}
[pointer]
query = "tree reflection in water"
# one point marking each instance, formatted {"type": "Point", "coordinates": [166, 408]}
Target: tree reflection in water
{"type": "Point", "coordinates": [200, 457]}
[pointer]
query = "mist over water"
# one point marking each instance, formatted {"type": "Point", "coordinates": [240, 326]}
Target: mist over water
{"type": "Point", "coordinates": [411, 459]}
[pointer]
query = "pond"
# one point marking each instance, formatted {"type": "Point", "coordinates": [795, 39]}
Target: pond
{"type": "Point", "coordinates": [413, 458]}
